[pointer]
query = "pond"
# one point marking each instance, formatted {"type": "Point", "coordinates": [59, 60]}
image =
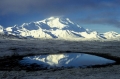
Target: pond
{"type": "Point", "coordinates": [65, 60]}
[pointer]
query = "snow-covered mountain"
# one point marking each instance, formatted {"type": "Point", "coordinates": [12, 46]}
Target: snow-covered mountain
{"type": "Point", "coordinates": [1, 29]}
{"type": "Point", "coordinates": [55, 27]}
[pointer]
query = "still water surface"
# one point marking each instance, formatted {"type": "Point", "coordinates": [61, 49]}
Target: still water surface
{"type": "Point", "coordinates": [65, 60]}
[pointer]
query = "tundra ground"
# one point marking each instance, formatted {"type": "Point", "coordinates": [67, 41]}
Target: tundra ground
{"type": "Point", "coordinates": [21, 47]}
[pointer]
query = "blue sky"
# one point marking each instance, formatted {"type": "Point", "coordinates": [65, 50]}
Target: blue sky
{"type": "Point", "coordinates": [99, 15]}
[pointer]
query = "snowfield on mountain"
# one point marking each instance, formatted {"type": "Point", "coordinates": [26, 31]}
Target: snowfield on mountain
{"type": "Point", "coordinates": [56, 27]}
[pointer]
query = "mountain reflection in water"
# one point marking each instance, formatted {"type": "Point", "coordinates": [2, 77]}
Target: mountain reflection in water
{"type": "Point", "coordinates": [66, 60]}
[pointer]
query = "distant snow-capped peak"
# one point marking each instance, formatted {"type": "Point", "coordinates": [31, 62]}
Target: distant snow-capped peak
{"type": "Point", "coordinates": [1, 29]}
{"type": "Point", "coordinates": [53, 23]}
{"type": "Point", "coordinates": [111, 32]}
{"type": "Point", "coordinates": [55, 27]}
{"type": "Point", "coordinates": [111, 35]}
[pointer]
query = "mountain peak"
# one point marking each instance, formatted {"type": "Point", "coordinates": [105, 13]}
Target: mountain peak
{"type": "Point", "coordinates": [53, 17]}
{"type": "Point", "coordinates": [111, 32]}
{"type": "Point", "coordinates": [60, 19]}
{"type": "Point", "coordinates": [1, 28]}
{"type": "Point", "coordinates": [57, 22]}
{"type": "Point", "coordinates": [55, 27]}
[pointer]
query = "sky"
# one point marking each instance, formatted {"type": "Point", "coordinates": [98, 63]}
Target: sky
{"type": "Point", "coordinates": [99, 15]}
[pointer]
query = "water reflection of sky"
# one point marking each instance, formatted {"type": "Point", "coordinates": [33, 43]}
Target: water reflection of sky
{"type": "Point", "coordinates": [66, 60]}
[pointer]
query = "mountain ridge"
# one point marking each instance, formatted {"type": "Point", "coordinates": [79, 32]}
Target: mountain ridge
{"type": "Point", "coordinates": [55, 27]}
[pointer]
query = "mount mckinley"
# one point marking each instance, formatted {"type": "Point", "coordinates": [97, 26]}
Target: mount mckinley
{"type": "Point", "coordinates": [55, 27]}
